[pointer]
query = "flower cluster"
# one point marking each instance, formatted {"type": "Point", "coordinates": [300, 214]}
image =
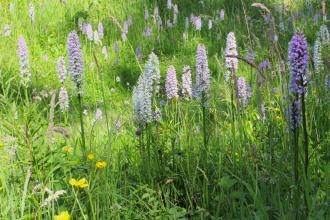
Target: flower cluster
{"type": "Point", "coordinates": [197, 21]}
{"type": "Point", "coordinates": [169, 4]}
{"type": "Point", "coordinates": [186, 82]}
{"type": "Point", "coordinates": [63, 99]}
{"type": "Point", "coordinates": [171, 84]}
{"type": "Point", "coordinates": [231, 53]}
{"type": "Point", "coordinates": [142, 101]}
{"type": "Point", "coordinates": [24, 62]}
{"type": "Point", "coordinates": [264, 65]}
{"type": "Point", "coordinates": [324, 34]}
{"type": "Point", "coordinates": [175, 14]}
{"type": "Point", "coordinates": [147, 86]}
{"type": "Point", "coordinates": [317, 55]}
{"type": "Point", "coordinates": [100, 30]}
{"type": "Point", "coordinates": [295, 114]}
{"type": "Point", "coordinates": [222, 14]}
{"type": "Point", "coordinates": [63, 93]}
{"type": "Point", "coordinates": [76, 65]}
{"type": "Point", "coordinates": [243, 91]}
{"type": "Point", "coordinates": [152, 72]}
{"type": "Point", "coordinates": [202, 74]}
{"type": "Point", "coordinates": [88, 30]}
{"type": "Point", "coordinates": [61, 69]}
{"type": "Point", "coordinates": [298, 61]}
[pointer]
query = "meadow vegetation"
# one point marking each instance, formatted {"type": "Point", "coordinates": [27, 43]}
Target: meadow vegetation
{"type": "Point", "coordinates": [182, 109]}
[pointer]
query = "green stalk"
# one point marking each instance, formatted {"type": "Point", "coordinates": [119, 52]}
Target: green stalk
{"type": "Point", "coordinates": [103, 97]}
{"type": "Point", "coordinates": [148, 152]}
{"type": "Point", "coordinates": [83, 143]}
{"type": "Point", "coordinates": [305, 147]}
{"type": "Point", "coordinates": [305, 132]}
{"type": "Point", "coordinates": [295, 166]}
{"type": "Point", "coordinates": [204, 134]}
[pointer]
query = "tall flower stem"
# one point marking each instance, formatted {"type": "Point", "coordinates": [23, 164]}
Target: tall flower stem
{"type": "Point", "coordinates": [103, 96]}
{"type": "Point", "coordinates": [232, 114]}
{"type": "Point", "coordinates": [83, 143]}
{"type": "Point", "coordinates": [204, 133]}
{"type": "Point", "coordinates": [205, 154]}
{"type": "Point", "coordinates": [148, 136]}
{"type": "Point", "coordinates": [303, 109]}
{"type": "Point", "coordinates": [295, 164]}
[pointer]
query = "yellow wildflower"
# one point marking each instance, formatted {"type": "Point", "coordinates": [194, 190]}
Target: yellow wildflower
{"type": "Point", "coordinates": [67, 149]}
{"type": "Point", "coordinates": [64, 215]}
{"type": "Point", "coordinates": [101, 164]}
{"type": "Point", "coordinates": [278, 118]}
{"type": "Point", "coordinates": [82, 183]}
{"type": "Point", "coordinates": [90, 156]}
{"type": "Point", "coordinates": [1, 144]}
{"type": "Point", "coordinates": [277, 109]}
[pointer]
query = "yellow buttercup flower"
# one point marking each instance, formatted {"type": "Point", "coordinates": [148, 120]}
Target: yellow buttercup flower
{"type": "Point", "coordinates": [82, 183]}
{"type": "Point", "coordinates": [90, 156]}
{"type": "Point", "coordinates": [64, 215]}
{"type": "Point", "coordinates": [1, 144]}
{"type": "Point", "coordinates": [67, 149]}
{"type": "Point", "coordinates": [101, 164]}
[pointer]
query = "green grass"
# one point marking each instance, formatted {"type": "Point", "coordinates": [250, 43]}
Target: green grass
{"type": "Point", "coordinates": [190, 165]}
